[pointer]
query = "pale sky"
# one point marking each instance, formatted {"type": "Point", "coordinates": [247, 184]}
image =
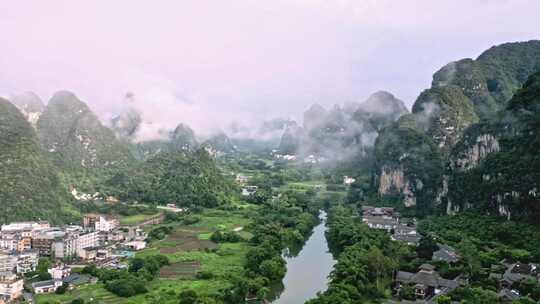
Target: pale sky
{"type": "Point", "coordinates": [209, 62]}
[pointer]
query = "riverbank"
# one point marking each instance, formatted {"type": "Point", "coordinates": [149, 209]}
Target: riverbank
{"type": "Point", "coordinates": [307, 272]}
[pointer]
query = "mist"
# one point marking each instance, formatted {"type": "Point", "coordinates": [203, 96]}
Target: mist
{"type": "Point", "coordinates": [213, 64]}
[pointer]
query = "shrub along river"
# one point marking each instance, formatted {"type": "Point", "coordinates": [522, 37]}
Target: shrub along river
{"type": "Point", "coordinates": [307, 272]}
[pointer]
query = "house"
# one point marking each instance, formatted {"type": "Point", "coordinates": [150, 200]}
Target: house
{"type": "Point", "coordinates": [78, 279]}
{"type": "Point", "coordinates": [59, 272]}
{"type": "Point", "coordinates": [445, 253]}
{"type": "Point", "coordinates": [241, 179]}
{"type": "Point", "coordinates": [427, 283]}
{"type": "Point", "coordinates": [406, 233]}
{"type": "Point", "coordinates": [518, 272]}
{"type": "Point", "coordinates": [46, 286]}
{"type": "Point", "coordinates": [380, 218]}
{"type": "Point", "coordinates": [136, 245]}
{"type": "Point", "coordinates": [347, 180]}
{"type": "Point", "coordinates": [249, 190]}
{"type": "Point", "coordinates": [11, 286]}
{"type": "Point", "coordinates": [409, 239]}
{"type": "Point", "coordinates": [506, 295]}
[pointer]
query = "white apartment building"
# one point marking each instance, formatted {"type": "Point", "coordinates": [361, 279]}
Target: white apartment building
{"type": "Point", "coordinates": [27, 261]}
{"type": "Point", "coordinates": [9, 241]}
{"type": "Point", "coordinates": [106, 223]}
{"type": "Point", "coordinates": [60, 272]}
{"type": "Point", "coordinates": [90, 239]}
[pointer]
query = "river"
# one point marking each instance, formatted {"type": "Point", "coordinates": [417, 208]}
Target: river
{"type": "Point", "coordinates": [308, 271]}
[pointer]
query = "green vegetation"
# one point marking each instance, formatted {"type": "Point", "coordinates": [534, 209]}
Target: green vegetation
{"type": "Point", "coordinates": [508, 177]}
{"type": "Point", "coordinates": [30, 188]}
{"type": "Point", "coordinates": [403, 146]}
{"type": "Point", "coordinates": [444, 128]}
{"type": "Point", "coordinates": [482, 242]}
{"type": "Point", "coordinates": [178, 177]}
{"type": "Point", "coordinates": [86, 151]}
{"type": "Point", "coordinates": [366, 260]}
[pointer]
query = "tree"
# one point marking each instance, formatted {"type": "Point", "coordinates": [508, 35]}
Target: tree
{"type": "Point", "coordinates": [426, 247]}
{"type": "Point", "coordinates": [188, 297]}
{"type": "Point", "coordinates": [443, 300]}
{"type": "Point", "coordinates": [136, 264]}
{"type": "Point", "coordinates": [379, 265]}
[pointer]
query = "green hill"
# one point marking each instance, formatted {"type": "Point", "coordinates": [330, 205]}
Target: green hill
{"type": "Point", "coordinates": [78, 143]}
{"type": "Point", "coordinates": [461, 116]}
{"type": "Point", "coordinates": [29, 185]}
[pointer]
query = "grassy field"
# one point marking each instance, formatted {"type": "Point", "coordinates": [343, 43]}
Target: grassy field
{"type": "Point", "coordinates": [190, 251]}
{"type": "Point", "coordinates": [133, 220]}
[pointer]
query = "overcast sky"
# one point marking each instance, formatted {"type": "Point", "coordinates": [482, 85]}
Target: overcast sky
{"type": "Point", "coordinates": [209, 62]}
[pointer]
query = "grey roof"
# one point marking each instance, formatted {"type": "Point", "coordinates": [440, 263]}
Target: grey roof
{"type": "Point", "coordinates": [77, 279]}
{"type": "Point", "coordinates": [445, 253]}
{"type": "Point", "coordinates": [406, 238]}
{"type": "Point", "coordinates": [518, 272]}
{"type": "Point", "coordinates": [43, 284]}
{"type": "Point", "coordinates": [403, 276]}
{"type": "Point", "coordinates": [508, 294]}
{"type": "Point", "coordinates": [427, 277]}
{"type": "Point", "coordinates": [380, 220]}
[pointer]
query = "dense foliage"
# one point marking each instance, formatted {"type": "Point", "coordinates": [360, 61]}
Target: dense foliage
{"type": "Point", "coordinates": [366, 260]}
{"type": "Point", "coordinates": [178, 177]}
{"type": "Point", "coordinates": [506, 181]}
{"type": "Point", "coordinates": [86, 151]}
{"type": "Point", "coordinates": [30, 187]}
{"type": "Point", "coordinates": [447, 115]}
{"type": "Point", "coordinates": [126, 283]}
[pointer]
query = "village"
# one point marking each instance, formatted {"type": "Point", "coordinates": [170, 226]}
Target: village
{"type": "Point", "coordinates": [427, 285]}
{"type": "Point", "coordinates": [99, 240]}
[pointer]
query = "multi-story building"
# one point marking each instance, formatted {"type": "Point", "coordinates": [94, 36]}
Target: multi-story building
{"type": "Point", "coordinates": [9, 241]}
{"type": "Point", "coordinates": [90, 239]}
{"type": "Point", "coordinates": [11, 286]}
{"type": "Point", "coordinates": [106, 223]}
{"type": "Point", "coordinates": [43, 242]}
{"type": "Point", "coordinates": [65, 247]}
{"type": "Point", "coordinates": [89, 221]}
{"type": "Point", "coordinates": [24, 243]}
{"type": "Point", "coordinates": [8, 262]}
{"type": "Point", "coordinates": [27, 261]}
{"type": "Point", "coordinates": [60, 272]}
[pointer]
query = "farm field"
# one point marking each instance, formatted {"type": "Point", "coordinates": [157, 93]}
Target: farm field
{"type": "Point", "coordinates": [190, 251]}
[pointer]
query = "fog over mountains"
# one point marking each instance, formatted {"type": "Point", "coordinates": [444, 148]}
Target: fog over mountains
{"type": "Point", "coordinates": [213, 65]}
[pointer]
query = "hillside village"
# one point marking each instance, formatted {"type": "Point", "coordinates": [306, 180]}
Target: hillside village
{"type": "Point", "coordinates": [427, 285]}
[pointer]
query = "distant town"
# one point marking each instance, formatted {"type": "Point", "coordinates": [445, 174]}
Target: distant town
{"type": "Point", "coordinates": [98, 240]}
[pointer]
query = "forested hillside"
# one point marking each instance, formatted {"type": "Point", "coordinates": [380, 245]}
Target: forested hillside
{"type": "Point", "coordinates": [177, 177]}
{"type": "Point", "coordinates": [496, 167]}
{"type": "Point", "coordinates": [29, 185]}
{"type": "Point", "coordinates": [78, 143]}
{"type": "Point", "coordinates": [420, 159]}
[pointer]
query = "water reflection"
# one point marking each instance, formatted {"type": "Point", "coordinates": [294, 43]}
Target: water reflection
{"type": "Point", "coordinates": [307, 270]}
